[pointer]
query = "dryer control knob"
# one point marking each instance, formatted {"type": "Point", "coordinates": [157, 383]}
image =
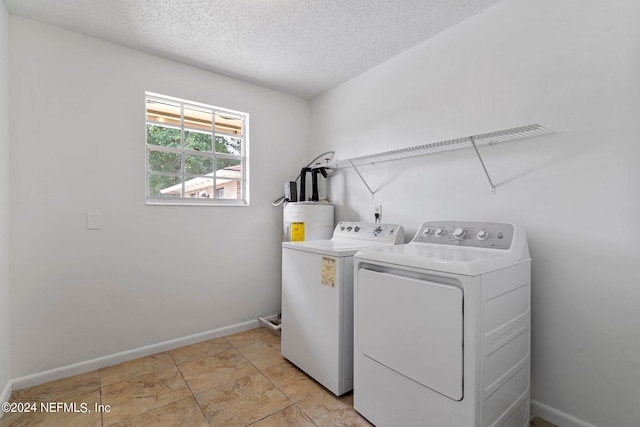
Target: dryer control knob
{"type": "Point", "coordinates": [440, 232]}
{"type": "Point", "coordinates": [427, 232]}
{"type": "Point", "coordinates": [482, 235]}
{"type": "Point", "coordinates": [356, 228]}
{"type": "Point", "coordinates": [459, 233]}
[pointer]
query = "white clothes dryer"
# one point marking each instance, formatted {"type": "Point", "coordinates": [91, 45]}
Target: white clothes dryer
{"type": "Point", "coordinates": [442, 328]}
{"type": "Point", "coordinates": [317, 300]}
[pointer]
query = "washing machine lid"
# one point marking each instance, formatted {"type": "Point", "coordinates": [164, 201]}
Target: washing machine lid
{"type": "Point", "coordinates": [335, 248]}
{"type": "Point", "coordinates": [349, 237]}
{"type": "Point", "coordinates": [448, 259]}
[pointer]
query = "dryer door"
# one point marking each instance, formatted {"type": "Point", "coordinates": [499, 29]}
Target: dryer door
{"type": "Point", "coordinates": [412, 326]}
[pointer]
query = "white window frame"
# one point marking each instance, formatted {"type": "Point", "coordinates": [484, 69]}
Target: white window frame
{"type": "Point", "coordinates": [185, 199]}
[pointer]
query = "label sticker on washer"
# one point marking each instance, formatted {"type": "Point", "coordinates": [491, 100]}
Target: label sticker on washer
{"type": "Point", "coordinates": [297, 231]}
{"type": "Point", "coordinates": [328, 274]}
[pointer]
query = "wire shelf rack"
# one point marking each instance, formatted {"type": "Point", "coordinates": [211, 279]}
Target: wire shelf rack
{"type": "Point", "coordinates": [489, 138]}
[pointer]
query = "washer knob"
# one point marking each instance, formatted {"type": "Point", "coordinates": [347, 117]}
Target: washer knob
{"type": "Point", "coordinates": [356, 228]}
{"type": "Point", "coordinates": [427, 232]}
{"type": "Point", "coordinates": [482, 235]}
{"type": "Point", "coordinates": [440, 232]}
{"type": "Point", "coordinates": [459, 233]}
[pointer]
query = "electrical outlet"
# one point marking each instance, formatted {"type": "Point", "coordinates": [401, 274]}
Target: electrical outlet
{"type": "Point", "coordinates": [377, 213]}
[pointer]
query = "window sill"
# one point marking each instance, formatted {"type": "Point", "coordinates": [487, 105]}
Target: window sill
{"type": "Point", "coordinates": [206, 203]}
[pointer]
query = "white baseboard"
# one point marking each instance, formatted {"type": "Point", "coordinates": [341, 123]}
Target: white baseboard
{"type": "Point", "coordinates": [555, 416]}
{"type": "Point", "coordinates": [114, 359]}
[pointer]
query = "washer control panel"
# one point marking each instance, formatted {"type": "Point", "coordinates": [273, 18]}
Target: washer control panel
{"type": "Point", "coordinates": [391, 233]}
{"type": "Point", "coordinates": [493, 235]}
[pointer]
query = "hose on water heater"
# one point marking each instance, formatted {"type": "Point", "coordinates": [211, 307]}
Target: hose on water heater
{"type": "Point", "coordinates": [281, 200]}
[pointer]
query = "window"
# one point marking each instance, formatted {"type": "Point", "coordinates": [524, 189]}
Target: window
{"type": "Point", "coordinates": [196, 154]}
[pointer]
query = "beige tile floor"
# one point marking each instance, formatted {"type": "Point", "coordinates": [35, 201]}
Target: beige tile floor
{"type": "Point", "coordinates": [237, 380]}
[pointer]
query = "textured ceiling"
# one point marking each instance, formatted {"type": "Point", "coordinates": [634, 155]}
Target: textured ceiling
{"type": "Point", "coordinates": [303, 47]}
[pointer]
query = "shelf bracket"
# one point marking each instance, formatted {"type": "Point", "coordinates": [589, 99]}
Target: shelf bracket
{"type": "Point", "coordinates": [362, 178]}
{"type": "Point", "coordinates": [475, 147]}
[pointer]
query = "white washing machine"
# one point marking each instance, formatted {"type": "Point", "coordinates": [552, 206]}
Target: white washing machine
{"type": "Point", "coordinates": [317, 300]}
{"type": "Point", "coordinates": [442, 328]}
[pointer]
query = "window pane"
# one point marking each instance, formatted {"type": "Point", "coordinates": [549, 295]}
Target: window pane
{"type": "Point", "coordinates": [165, 186]}
{"type": "Point", "coordinates": [229, 145]}
{"type": "Point", "coordinates": [228, 189]}
{"type": "Point", "coordinates": [160, 161]}
{"type": "Point", "coordinates": [163, 136]}
{"type": "Point", "coordinates": [228, 124]}
{"type": "Point", "coordinates": [198, 141]}
{"type": "Point", "coordinates": [198, 165]}
{"type": "Point", "coordinates": [200, 187]}
{"type": "Point", "coordinates": [231, 167]}
{"type": "Point", "coordinates": [165, 112]}
{"type": "Point", "coordinates": [228, 179]}
{"type": "Point", "coordinates": [198, 118]}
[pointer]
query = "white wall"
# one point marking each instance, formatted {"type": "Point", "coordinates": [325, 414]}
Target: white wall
{"type": "Point", "coordinates": [5, 335]}
{"type": "Point", "coordinates": [572, 66]}
{"type": "Point", "coordinates": [152, 273]}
